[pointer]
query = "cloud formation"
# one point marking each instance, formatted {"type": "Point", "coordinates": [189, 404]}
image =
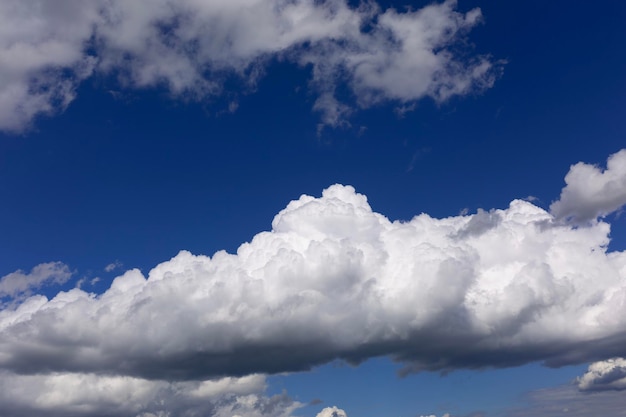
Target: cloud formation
{"type": "Point", "coordinates": [190, 47]}
{"type": "Point", "coordinates": [335, 280]}
{"type": "Point", "coordinates": [604, 375]}
{"type": "Point", "coordinates": [20, 284]}
{"type": "Point", "coordinates": [71, 394]}
{"type": "Point", "coordinates": [591, 191]}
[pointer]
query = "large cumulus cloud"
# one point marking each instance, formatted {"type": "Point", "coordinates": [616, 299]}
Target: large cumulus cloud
{"type": "Point", "coordinates": [334, 279]}
{"type": "Point", "coordinates": [190, 47]}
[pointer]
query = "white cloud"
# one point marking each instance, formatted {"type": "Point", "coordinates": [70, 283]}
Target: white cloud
{"type": "Point", "coordinates": [67, 394]}
{"type": "Point", "coordinates": [20, 283]}
{"type": "Point", "coordinates": [42, 57]}
{"type": "Point", "coordinates": [604, 375]}
{"type": "Point", "coordinates": [334, 279]}
{"type": "Point", "coordinates": [191, 46]}
{"type": "Point", "coordinates": [332, 412]}
{"type": "Point", "coordinates": [592, 192]}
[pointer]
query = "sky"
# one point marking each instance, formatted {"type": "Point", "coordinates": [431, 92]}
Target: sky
{"type": "Point", "coordinates": [313, 208]}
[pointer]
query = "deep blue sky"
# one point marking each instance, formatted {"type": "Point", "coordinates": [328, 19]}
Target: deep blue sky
{"type": "Point", "coordinates": [134, 175]}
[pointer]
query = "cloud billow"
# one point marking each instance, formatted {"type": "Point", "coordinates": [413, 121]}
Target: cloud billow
{"type": "Point", "coordinates": [334, 279]}
{"type": "Point", "coordinates": [190, 47]}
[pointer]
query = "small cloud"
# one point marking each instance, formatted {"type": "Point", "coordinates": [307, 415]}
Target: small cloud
{"type": "Point", "coordinates": [332, 412]}
{"type": "Point", "coordinates": [417, 155]}
{"type": "Point", "coordinates": [113, 266]}
{"type": "Point", "coordinates": [20, 284]}
{"type": "Point", "coordinates": [604, 375]}
{"type": "Point", "coordinates": [591, 192]}
{"type": "Point", "coordinates": [233, 106]}
{"type": "Point", "coordinates": [315, 401]}
{"type": "Point", "coordinates": [401, 111]}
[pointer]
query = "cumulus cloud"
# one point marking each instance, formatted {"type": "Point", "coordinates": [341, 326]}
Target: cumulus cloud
{"type": "Point", "coordinates": [591, 191]}
{"type": "Point", "coordinates": [334, 279]}
{"type": "Point", "coordinates": [190, 47]}
{"type": "Point", "coordinates": [332, 412]}
{"type": "Point", "coordinates": [67, 394]}
{"type": "Point", "coordinates": [604, 375]}
{"type": "Point", "coordinates": [19, 283]}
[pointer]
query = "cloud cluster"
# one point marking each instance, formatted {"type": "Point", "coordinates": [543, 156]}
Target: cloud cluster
{"type": "Point", "coordinates": [190, 47]}
{"type": "Point", "coordinates": [592, 192]}
{"type": "Point", "coordinates": [604, 375]}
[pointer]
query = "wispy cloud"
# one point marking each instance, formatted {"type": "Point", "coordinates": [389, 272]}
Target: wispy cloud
{"type": "Point", "coordinates": [568, 401]}
{"type": "Point", "coordinates": [190, 47]}
{"type": "Point", "coordinates": [21, 284]}
{"type": "Point", "coordinates": [113, 266]}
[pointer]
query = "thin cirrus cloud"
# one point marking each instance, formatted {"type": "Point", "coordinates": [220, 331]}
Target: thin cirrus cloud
{"type": "Point", "coordinates": [190, 47]}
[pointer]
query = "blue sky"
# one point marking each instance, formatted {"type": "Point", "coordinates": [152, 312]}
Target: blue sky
{"type": "Point", "coordinates": [131, 132]}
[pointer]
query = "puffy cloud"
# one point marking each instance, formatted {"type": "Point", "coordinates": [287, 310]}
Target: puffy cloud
{"type": "Point", "coordinates": [334, 279]}
{"type": "Point", "coordinates": [42, 57]}
{"type": "Point", "coordinates": [191, 46]}
{"type": "Point", "coordinates": [20, 284]}
{"type": "Point", "coordinates": [604, 375]}
{"type": "Point", "coordinates": [71, 394]}
{"type": "Point", "coordinates": [332, 412]}
{"type": "Point", "coordinates": [592, 192]}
